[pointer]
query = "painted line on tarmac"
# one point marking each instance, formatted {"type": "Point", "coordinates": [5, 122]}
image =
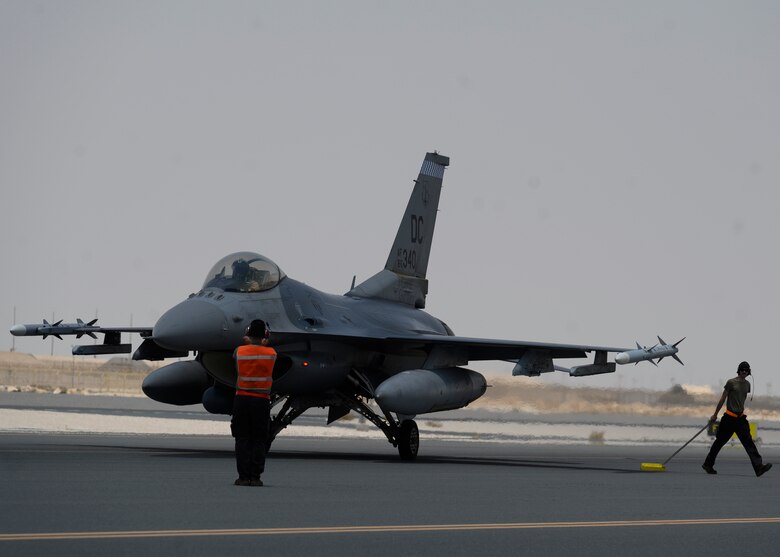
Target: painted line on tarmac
{"type": "Point", "coordinates": [377, 529]}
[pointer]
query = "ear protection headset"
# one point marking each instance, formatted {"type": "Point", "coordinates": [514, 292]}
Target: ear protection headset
{"type": "Point", "coordinates": [252, 329]}
{"type": "Point", "coordinates": [744, 366]}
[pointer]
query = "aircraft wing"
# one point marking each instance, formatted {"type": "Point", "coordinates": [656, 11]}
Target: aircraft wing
{"type": "Point", "coordinates": [531, 358]}
{"type": "Point", "coordinates": [495, 349]}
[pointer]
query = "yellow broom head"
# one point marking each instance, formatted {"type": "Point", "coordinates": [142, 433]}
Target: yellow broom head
{"type": "Point", "coordinates": [652, 467]}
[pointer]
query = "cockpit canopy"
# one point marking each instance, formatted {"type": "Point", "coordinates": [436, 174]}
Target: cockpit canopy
{"type": "Point", "coordinates": [244, 272]}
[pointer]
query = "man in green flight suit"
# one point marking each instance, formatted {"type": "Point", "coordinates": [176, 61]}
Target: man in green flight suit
{"type": "Point", "coordinates": [735, 421]}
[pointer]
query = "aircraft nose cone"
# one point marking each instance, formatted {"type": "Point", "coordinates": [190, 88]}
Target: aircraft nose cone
{"type": "Point", "coordinates": [192, 325]}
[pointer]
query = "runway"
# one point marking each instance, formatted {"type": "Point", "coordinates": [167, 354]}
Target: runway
{"type": "Point", "coordinates": [126, 494]}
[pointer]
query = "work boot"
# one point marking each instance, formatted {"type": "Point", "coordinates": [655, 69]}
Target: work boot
{"type": "Point", "coordinates": [761, 469]}
{"type": "Point", "coordinates": [256, 483]}
{"type": "Point", "coordinates": [710, 470]}
{"type": "Point", "coordinates": [241, 481]}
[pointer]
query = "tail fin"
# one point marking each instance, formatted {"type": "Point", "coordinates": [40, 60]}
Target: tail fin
{"type": "Point", "coordinates": [403, 278]}
{"type": "Point", "coordinates": [412, 246]}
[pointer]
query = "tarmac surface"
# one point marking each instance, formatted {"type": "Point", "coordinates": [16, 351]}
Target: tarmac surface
{"type": "Point", "coordinates": [128, 494]}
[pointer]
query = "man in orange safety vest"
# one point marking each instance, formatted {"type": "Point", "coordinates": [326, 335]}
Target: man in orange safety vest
{"type": "Point", "coordinates": [252, 403]}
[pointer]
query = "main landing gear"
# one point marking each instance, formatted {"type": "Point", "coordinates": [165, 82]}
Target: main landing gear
{"type": "Point", "coordinates": [408, 440]}
{"type": "Point", "coordinates": [402, 433]}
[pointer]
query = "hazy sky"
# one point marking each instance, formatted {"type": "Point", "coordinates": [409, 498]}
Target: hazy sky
{"type": "Point", "coordinates": [614, 165]}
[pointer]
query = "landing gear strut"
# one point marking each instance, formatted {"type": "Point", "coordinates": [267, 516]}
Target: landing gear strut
{"type": "Point", "coordinates": [402, 433]}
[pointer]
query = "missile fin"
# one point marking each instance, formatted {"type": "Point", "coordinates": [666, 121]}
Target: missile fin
{"type": "Point", "coordinates": [652, 362]}
{"type": "Point", "coordinates": [678, 359]}
{"type": "Point", "coordinates": [679, 341]}
{"type": "Point", "coordinates": [661, 341]}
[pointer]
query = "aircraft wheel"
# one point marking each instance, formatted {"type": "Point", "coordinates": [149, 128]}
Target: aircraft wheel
{"type": "Point", "coordinates": [408, 440]}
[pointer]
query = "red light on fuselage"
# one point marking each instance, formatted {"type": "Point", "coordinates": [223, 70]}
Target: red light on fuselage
{"type": "Point", "coordinates": [305, 364]}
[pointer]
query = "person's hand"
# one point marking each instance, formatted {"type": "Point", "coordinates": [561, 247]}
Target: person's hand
{"type": "Point", "coordinates": [714, 417]}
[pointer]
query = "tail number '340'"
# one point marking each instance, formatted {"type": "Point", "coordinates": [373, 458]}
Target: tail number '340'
{"type": "Point", "coordinates": [407, 258]}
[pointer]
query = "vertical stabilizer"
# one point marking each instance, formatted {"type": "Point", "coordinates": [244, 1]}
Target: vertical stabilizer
{"type": "Point", "coordinates": [403, 278]}
{"type": "Point", "coordinates": [412, 246]}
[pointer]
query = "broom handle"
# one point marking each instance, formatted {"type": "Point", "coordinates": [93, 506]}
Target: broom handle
{"type": "Point", "coordinates": [689, 440]}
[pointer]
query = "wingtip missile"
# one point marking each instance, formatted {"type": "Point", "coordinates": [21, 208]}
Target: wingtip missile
{"type": "Point", "coordinates": [46, 329]}
{"type": "Point", "coordinates": [659, 351]}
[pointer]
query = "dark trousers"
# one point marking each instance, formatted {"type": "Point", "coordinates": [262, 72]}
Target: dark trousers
{"type": "Point", "coordinates": [250, 427]}
{"type": "Point", "coordinates": [729, 425]}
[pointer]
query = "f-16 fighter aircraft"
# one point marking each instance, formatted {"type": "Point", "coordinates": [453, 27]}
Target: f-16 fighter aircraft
{"type": "Point", "coordinates": [374, 343]}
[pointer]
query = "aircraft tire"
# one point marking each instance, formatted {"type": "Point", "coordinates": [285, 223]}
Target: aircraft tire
{"type": "Point", "coordinates": [408, 440]}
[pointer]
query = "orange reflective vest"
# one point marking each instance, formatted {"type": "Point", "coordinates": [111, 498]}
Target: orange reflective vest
{"type": "Point", "coordinates": [255, 366]}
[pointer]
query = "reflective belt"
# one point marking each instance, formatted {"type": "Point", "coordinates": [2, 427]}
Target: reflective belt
{"type": "Point", "coordinates": [733, 415]}
{"type": "Point", "coordinates": [264, 389]}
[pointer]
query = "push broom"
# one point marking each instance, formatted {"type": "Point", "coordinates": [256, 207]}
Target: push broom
{"type": "Point", "coordinates": [658, 467]}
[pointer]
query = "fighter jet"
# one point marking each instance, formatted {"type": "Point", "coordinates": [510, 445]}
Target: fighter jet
{"type": "Point", "coordinates": [372, 350]}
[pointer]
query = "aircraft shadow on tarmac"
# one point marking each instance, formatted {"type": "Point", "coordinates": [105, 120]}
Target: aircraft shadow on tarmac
{"type": "Point", "coordinates": [574, 465]}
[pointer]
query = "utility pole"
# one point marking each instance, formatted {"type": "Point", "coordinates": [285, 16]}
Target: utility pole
{"type": "Point", "coordinates": [94, 356]}
{"type": "Point", "coordinates": [130, 336]}
{"type": "Point", "coordinates": [13, 337]}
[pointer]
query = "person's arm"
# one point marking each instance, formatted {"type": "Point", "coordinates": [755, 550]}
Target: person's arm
{"type": "Point", "coordinates": [720, 404]}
